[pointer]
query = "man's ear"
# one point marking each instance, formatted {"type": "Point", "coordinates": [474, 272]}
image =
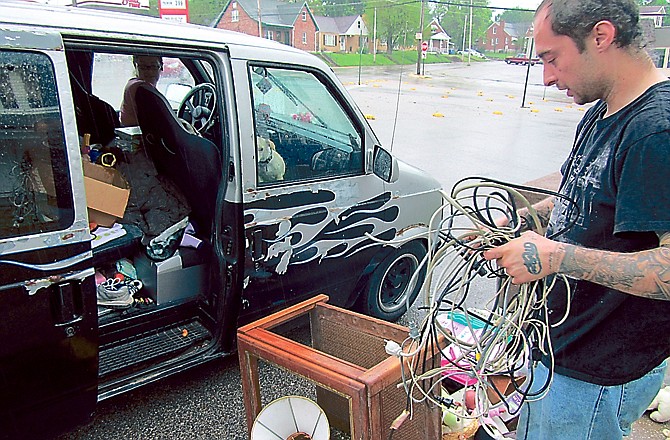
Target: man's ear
{"type": "Point", "coordinates": [603, 34]}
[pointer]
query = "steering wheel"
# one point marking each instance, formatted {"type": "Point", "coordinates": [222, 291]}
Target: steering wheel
{"type": "Point", "coordinates": [198, 107]}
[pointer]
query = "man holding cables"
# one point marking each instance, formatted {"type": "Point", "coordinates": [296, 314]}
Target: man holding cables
{"type": "Point", "coordinates": [609, 353]}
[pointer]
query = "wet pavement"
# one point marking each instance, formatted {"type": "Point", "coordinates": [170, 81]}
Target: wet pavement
{"type": "Point", "coordinates": [455, 121]}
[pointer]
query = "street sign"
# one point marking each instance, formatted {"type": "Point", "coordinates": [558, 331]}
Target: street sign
{"type": "Point", "coordinates": [424, 46]}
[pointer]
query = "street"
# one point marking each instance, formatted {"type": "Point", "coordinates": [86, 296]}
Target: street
{"type": "Point", "coordinates": [455, 121]}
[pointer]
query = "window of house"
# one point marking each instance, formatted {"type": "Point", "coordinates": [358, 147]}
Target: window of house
{"type": "Point", "coordinates": [298, 119]}
{"type": "Point", "coordinates": [496, 40]}
{"type": "Point", "coordinates": [35, 191]}
{"type": "Point", "coordinates": [494, 30]}
{"type": "Point", "coordinates": [235, 16]}
{"type": "Point", "coordinates": [234, 5]}
{"type": "Point", "coordinates": [304, 38]}
{"type": "Point", "coordinates": [329, 40]}
{"type": "Point", "coordinates": [304, 15]}
{"type": "Point", "coordinates": [269, 35]}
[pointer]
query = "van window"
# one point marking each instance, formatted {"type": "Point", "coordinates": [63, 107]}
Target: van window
{"type": "Point", "coordinates": [304, 124]}
{"type": "Point", "coordinates": [35, 194]}
{"type": "Point", "coordinates": [112, 71]}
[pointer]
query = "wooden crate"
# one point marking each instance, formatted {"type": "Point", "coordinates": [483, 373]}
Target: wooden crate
{"type": "Point", "coordinates": [356, 381]}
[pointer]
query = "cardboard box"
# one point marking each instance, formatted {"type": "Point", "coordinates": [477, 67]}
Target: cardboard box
{"type": "Point", "coordinates": [107, 194]}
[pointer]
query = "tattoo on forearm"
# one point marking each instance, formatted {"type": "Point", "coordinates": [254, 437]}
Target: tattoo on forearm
{"type": "Point", "coordinates": [543, 210]}
{"type": "Point", "coordinates": [645, 273]}
{"type": "Point", "coordinates": [531, 258]}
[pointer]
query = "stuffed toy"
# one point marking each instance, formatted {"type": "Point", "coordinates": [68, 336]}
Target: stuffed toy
{"type": "Point", "coordinates": [660, 406]}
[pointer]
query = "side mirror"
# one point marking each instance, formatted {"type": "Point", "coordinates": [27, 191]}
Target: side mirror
{"type": "Point", "coordinates": [384, 165]}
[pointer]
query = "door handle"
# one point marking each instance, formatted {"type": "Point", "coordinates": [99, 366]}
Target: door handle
{"type": "Point", "coordinates": [66, 303]}
{"type": "Point", "coordinates": [257, 245]}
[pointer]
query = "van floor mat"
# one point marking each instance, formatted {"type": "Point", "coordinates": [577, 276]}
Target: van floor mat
{"type": "Point", "coordinates": [149, 346]}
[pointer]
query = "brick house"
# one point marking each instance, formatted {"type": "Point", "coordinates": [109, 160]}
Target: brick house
{"type": "Point", "coordinates": [289, 23]}
{"type": "Point", "coordinates": [341, 34]}
{"type": "Point", "coordinates": [506, 37]}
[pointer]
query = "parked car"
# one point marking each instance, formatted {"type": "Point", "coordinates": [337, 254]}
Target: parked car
{"type": "Point", "coordinates": [472, 53]}
{"type": "Point", "coordinates": [267, 173]}
{"type": "Point", "coordinates": [522, 59]}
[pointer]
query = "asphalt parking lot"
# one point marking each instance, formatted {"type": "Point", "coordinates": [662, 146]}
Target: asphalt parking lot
{"type": "Point", "coordinates": [455, 121]}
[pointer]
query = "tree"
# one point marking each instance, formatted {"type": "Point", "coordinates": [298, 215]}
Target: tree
{"type": "Point", "coordinates": [456, 19]}
{"type": "Point", "coordinates": [652, 2]}
{"type": "Point", "coordinates": [336, 8]}
{"type": "Point", "coordinates": [397, 22]}
{"type": "Point", "coordinates": [516, 16]}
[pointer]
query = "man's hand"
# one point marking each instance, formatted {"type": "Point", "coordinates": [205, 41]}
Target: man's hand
{"type": "Point", "coordinates": [527, 258]}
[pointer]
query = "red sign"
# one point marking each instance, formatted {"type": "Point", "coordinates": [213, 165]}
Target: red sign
{"type": "Point", "coordinates": [424, 46]}
{"type": "Point", "coordinates": [173, 10]}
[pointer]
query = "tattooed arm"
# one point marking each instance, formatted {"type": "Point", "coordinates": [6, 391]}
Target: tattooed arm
{"type": "Point", "coordinates": [542, 209]}
{"type": "Point", "coordinates": [531, 257]}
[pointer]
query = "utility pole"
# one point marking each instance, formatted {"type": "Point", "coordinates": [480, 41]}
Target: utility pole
{"type": "Point", "coordinates": [374, 39]}
{"type": "Point", "coordinates": [469, 36]}
{"type": "Point", "coordinates": [418, 42]}
{"type": "Point", "coordinates": [260, 25]}
{"type": "Point", "coordinates": [465, 27]}
{"type": "Point", "coordinates": [360, 48]}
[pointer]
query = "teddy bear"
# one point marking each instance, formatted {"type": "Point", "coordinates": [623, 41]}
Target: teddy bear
{"type": "Point", "coordinates": [271, 166]}
{"type": "Point", "coordinates": [660, 406]}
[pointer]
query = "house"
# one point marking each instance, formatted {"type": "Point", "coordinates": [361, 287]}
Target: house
{"type": "Point", "coordinates": [341, 34]}
{"type": "Point", "coordinates": [289, 23]}
{"type": "Point", "coordinates": [654, 13]}
{"type": "Point", "coordinates": [506, 37]}
{"type": "Point", "coordinates": [439, 41]}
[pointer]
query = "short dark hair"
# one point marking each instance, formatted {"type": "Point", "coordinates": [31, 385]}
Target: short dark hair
{"type": "Point", "coordinates": [576, 19]}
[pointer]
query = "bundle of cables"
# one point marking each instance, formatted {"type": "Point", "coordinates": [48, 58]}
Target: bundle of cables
{"type": "Point", "coordinates": [503, 337]}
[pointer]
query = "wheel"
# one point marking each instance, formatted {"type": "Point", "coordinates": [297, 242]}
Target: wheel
{"type": "Point", "coordinates": [199, 107]}
{"type": "Point", "coordinates": [386, 293]}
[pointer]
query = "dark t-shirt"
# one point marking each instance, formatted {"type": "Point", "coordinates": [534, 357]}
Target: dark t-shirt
{"type": "Point", "coordinates": [618, 177]}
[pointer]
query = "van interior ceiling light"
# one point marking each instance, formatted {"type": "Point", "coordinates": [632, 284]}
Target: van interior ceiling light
{"type": "Point", "coordinates": [483, 345]}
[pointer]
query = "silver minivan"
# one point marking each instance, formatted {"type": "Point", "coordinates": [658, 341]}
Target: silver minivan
{"type": "Point", "coordinates": [250, 182]}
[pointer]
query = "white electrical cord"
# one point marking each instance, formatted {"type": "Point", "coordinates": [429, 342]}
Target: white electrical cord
{"type": "Point", "coordinates": [516, 321]}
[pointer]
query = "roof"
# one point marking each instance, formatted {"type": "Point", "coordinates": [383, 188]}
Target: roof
{"type": "Point", "coordinates": [517, 29]}
{"type": "Point", "coordinates": [651, 10]}
{"type": "Point", "coordinates": [335, 25]}
{"type": "Point", "coordinates": [440, 36]}
{"type": "Point", "coordinates": [140, 28]}
{"type": "Point", "coordinates": [273, 12]}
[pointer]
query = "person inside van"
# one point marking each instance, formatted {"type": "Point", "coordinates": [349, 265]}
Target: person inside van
{"type": "Point", "coordinates": [147, 71]}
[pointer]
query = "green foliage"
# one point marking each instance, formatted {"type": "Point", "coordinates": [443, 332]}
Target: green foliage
{"type": "Point", "coordinates": [204, 12]}
{"type": "Point", "coordinates": [516, 16]}
{"type": "Point", "coordinates": [352, 59]}
{"type": "Point", "coordinates": [336, 8]}
{"type": "Point", "coordinates": [456, 19]}
{"type": "Point", "coordinates": [405, 57]}
{"type": "Point", "coordinates": [397, 23]}
{"type": "Point", "coordinates": [652, 2]}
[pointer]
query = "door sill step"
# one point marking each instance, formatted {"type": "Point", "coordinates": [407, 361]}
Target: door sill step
{"type": "Point", "coordinates": [125, 354]}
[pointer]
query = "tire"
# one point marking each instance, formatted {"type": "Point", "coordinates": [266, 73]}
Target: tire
{"type": "Point", "coordinates": [386, 293]}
